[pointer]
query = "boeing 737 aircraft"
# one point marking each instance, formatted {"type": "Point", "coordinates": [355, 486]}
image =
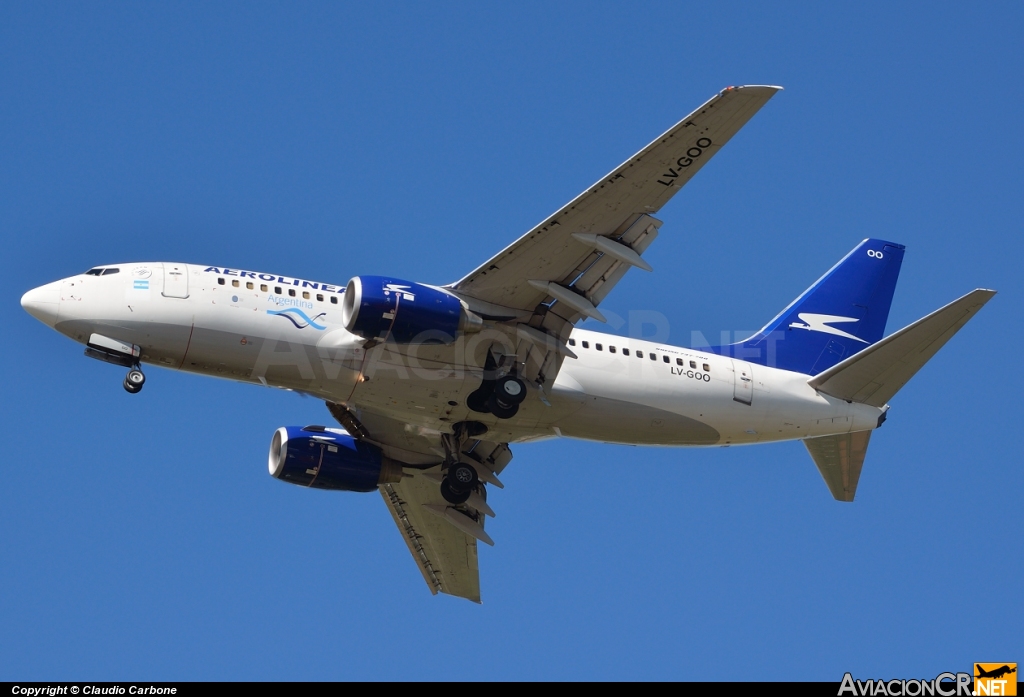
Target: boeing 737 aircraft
{"type": "Point", "coordinates": [430, 384]}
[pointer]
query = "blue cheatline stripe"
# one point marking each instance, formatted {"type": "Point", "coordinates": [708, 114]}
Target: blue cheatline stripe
{"type": "Point", "coordinates": [300, 313]}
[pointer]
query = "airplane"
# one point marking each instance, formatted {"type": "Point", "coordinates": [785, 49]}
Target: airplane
{"type": "Point", "coordinates": [430, 384]}
{"type": "Point", "coordinates": [994, 673]}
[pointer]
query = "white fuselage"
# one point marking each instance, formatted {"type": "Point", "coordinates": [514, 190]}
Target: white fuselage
{"type": "Point", "coordinates": [287, 333]}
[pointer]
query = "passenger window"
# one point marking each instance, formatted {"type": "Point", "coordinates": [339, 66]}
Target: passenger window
{"type": "Point", "coordinates": [305, 295]}
{"type": "Point", "coordinates": [639, 354]}
{"type": "Point", "coordinates": [599, 347]}
{"type": "Point", "coordinates": [108, 272]}
{"type": "Point", "coordinates": [220, 281]}
{"type": "Point", "coordinates": [679, 361]}
{"type": "Point", "coordinates": [249, 285]}
{"type": "Point", "coordinates": [666, 359]}
{"type": "Point", "coordinates": [291, 292]}
{"type": "Point", "coordinates": [572, 342]}
{"type": "Point", "coordinates": [693, 364]}
{"type": "Point", "coordinates": [707, 367]}
{"type": "Point", "coordinates": [586, 344]}
{"type": "Point", "coordinates": [611, 349]}
{"type": "Point", "coordinates": [263, 287]}
{"type": "Point", "coordinates": [319, 298]}
{"type": "Point", "coordinates": [653, 357]}
{"type": "Point", "coordinates": [334, 299]}
{"type": "Point", "coordinates": [234, 283]}
{"type": "Point", "coordinates": [625, 352]}
{"type": "Point", "coordinates": [277, 289]}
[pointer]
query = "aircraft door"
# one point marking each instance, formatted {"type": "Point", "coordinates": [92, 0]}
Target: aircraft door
{"type": "Point", "coordinates": [743, 382]}
{"type": "Point", "coordinates": [175, 281]}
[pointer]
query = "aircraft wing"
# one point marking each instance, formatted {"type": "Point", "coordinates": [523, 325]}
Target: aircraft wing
{"type": "Point", "coordinates": [442, 538]}
{"type": "Point", "coordinates": [581, 251]}
{"type": "Point", "coordinates": [445, 555]}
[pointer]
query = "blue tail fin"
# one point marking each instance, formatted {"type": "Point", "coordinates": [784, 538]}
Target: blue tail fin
{"type": "Point", "coordinates": [843, 312]}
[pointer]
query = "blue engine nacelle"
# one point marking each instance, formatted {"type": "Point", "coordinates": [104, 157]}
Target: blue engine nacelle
{"type": "Point", "coordinates": [329, 459]}
{"type": "Point", "coordinates": [375, 307]}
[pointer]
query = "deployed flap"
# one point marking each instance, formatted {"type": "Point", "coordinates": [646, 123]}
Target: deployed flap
{"type": "Point", "coordinates": [445, 555]}
{"type": "Point", "coordinates": [609, 208]}
{"type": "Point", "coordinates": [840, 459]}
{"type": "Point", "coordinates": [878, 372]}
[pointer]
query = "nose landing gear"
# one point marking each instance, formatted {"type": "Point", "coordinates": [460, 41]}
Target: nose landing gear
{"type": "Point", "coordinates": [134, 380]}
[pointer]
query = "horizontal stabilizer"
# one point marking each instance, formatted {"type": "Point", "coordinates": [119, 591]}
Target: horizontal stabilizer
{"type": "Point", "coordinates": [840, 459]}
{"type": "Point", "coordinates": [878, 372]}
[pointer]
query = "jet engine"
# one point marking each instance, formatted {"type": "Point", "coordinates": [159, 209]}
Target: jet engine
{"type": "Point", "coordinates": [375, 307]}
{"type": "Point", "coordinates": [323, 458]}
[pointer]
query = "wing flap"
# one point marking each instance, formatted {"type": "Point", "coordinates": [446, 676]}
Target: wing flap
{"type": "Point", "coordinates": [446, 556]}
{"type": "Point", "coordinates": [875, 374]}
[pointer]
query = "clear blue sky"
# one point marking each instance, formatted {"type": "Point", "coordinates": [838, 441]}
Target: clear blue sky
{"type": "Point", "coordinates": [141, 537]}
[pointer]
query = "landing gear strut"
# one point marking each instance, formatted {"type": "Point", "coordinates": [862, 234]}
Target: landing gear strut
{"type": "Point", "coordinates": [134, 380]}
{"type": "Point", "coordinates": [460, 479]}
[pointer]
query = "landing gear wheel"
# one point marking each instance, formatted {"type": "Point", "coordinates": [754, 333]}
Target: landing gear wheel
{"type": "Point", "coordinates": [510, 390]}
{"type": "Point", "coordinates": [477, 401]}
{"type": "Point", "coordinates": [452, 497]}
{"type": "Point", "coordinates": [500, 410]}
{"type": "Point", "coordinates": [459, 482]}
{"type": "Point", "coordinates": [134, 380]}
{"type": "Point", "coordinates": [463, 476]}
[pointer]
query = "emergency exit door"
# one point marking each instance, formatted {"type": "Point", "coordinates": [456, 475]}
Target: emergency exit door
{"type": "Point", "coordinates": [743, 382]}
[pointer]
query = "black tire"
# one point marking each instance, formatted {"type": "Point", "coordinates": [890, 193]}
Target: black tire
{"type": "Point", "coordinates": [453, 497]}
{"type": "Point", "coordinates": [477, 401]}
{"type": "Point", "coordinates": [500, 410]}
{"type": "Point", "coordinates": [136, 378]}
{"type": "Point", "coordinates": [463, 477]}
{"type": "Point", "coordinates": [510, 390]}
{"type": "Point", "coordinates": [130, 388]}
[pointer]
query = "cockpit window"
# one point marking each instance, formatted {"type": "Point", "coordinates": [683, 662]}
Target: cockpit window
{"type": "Point", "coordinates": [94, 272]}
{"type": "Point", "coordinates": [99, 271]}
{"type": "Point", "coordinates": [109, 272]}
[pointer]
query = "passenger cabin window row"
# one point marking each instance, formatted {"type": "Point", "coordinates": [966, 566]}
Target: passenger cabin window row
{"type": "Point", "coordinates": [640, 354]}
{"type": "Point", "coordinates": [264, 288]}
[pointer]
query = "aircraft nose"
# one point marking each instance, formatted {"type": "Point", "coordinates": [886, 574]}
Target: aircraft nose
{"type": "Point", "coordinates": [43, 303]}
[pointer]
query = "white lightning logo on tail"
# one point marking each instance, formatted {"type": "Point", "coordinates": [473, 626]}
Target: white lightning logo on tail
{"type": "Point", "coordinates": [819, 323]}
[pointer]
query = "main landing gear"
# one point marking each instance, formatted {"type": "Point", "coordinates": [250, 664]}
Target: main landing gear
{"type": "Point", "coordinates": [460, 478]}
{"type": "Point", "coordinates": [459, 482]}
{"type": "Point", "coordinates": [501, 396]}
{"type": "Point", "coordinates": [134, 380]}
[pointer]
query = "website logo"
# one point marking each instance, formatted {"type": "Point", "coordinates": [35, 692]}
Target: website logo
{"type": "Point", "coordinates": [995, 679]}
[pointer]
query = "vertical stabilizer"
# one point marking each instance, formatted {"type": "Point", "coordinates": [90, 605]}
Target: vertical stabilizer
{"type": "Point", "coordinates": [844, 312]}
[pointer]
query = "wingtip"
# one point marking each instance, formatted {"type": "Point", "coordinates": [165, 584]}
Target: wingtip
{"type": "Point", "coordinates": [732, 88]}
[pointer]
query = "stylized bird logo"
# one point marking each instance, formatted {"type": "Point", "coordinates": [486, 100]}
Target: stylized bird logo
{"type": "Point", "coordinates": [302, 320]}
{"type": "Point", "coordinates": [819, 323]}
